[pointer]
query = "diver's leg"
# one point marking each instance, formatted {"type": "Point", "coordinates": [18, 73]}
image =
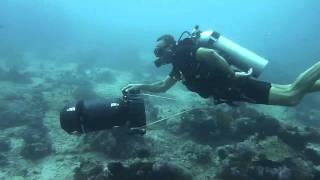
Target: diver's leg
{"type": "Point", "coordinates": [279, 95]}
{"type": "Point", "coordinates": [282, 86]}
{"type": "Point", "coordinates": [315, 87]}
{"type": "Point", "coordinates": [291, 94]}
{"type": "Point", "coordinates": [307, 79]}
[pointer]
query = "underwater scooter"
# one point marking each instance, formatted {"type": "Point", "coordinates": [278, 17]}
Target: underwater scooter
{"type": "Point", "coordinates": [235, 54]}
{"type": "Point", "coordinates": [96, 115]}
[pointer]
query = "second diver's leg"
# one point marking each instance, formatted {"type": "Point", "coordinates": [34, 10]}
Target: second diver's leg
{"type": "Point", "coordinates": [291, 94]}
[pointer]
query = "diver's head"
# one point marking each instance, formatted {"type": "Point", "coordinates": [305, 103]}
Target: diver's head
{"type": "Point", "coordinates": [164, 50]}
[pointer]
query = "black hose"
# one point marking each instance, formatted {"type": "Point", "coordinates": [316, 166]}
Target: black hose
{"type": "Point", "coordinates": [183, 33]}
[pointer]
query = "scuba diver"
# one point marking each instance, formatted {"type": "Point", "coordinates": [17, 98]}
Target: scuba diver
{"type": "Point", "coordinates": [213, 66]}
{"type": "Point", "coordinates": [206, 63]}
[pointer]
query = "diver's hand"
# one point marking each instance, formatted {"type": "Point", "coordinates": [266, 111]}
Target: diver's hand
{"type": "Point", "coordinates": [244, 74]}
{"type": "Point", "coordinates": [131, 88]}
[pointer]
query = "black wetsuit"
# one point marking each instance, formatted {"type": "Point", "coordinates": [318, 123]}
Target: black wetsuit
{"type": "Point", "coordinates": [198, 78]}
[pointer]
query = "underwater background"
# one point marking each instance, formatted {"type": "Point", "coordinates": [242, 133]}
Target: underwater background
{"type": "Point", "coordinates": [58, 52]}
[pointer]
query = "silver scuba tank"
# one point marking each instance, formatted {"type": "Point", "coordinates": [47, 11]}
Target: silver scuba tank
{"type": "Point", "coordinates": [238, 56]}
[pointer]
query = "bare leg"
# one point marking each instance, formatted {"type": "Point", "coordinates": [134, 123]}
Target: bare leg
{"type": "Point", "coordinates": [315, 87]}
{"type": "Point", "coordinates": [291, 94]}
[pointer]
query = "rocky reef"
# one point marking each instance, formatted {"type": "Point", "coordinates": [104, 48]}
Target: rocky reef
{"type": "Point", "coordinates": [267, 159]}
{"type": "Point", "coordinates": [22, 117]}
{"type": "Point", "coordinates": [251, 145]}
{"type": "Point", "coordinates": [117, 144]}
{"type": "Point", "coordinates": [15, 75]}
{"type": "Point", "coordinates": [207, 142]}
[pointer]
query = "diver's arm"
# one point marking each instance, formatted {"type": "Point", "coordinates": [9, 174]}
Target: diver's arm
{"type": "Point", "coordinates": [216, 61]}
{"type": "Point", "coordinates": [211, 58]}
{"type": "Point", "coordinates": [157, 87]}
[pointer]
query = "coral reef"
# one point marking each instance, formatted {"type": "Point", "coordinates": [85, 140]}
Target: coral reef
{"type": "Point", "coordinates": [266, 148]}
{"type": "Point", "coordinates": [299, 137]}
{"type": "Point", "coordinates": [89, 170]}
{"type": "Point", "coordinates": [206, 124]}
{"type": "Point", "coordinates": [118, 144]}
{"type": "Point", "coordinates": [202, 125]}
{"type": "Point", "coordinates": [252, 159]}
{"type": "Point", "coordinates": [198, 153]}
{"type": "Point", "coordinates": [208, 142]}
{"type": "Point", "coordinates": [246, 126]}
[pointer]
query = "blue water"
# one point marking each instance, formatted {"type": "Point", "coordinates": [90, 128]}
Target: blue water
{"type": "Point", "coordinates": [285, 31]}
{"type": "Point", "coordinates": [120, 35]}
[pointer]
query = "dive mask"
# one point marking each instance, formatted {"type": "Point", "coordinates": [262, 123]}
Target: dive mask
{"type": "Point", "coordinates": [164, 55]}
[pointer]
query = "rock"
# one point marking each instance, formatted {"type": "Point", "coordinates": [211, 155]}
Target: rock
{"type": "Point", "coordinates": [143, 153]}
{"type": "Point", "coordinates": [105, 76]}
{"type": "Point", "coordinates": [89, 170]}
{"type": "Point", "coordinates": [224, 151]}
{"type": "Point", "coordinates": [243, 127]}
{"type": "Point", "coordinates": [301, 169]}
{"type": "Point", "coordinates": [263, 125]}
{"type": "Point", "coordinates": [117, 144]}
{"type": "Point", "coordinates": [200, 126]}
{"type": "Point", "coordinates": [235, 158]}
{"type": "Point", "coordinates": [4, 146]}
{"type": "Point", "coordinates": [274, 149]}
{"type": "Point", "coordinates": [297, 137]}
{"type": "Point", "coordinates": [16, 76]}
{"type": "Point", "coordinates": [165, 170]}
{"type": "Point", "coordinates": [245, 111]}
{"type": "Point", "coordinates": [317, 172]}
{"type": "Point", "coordinates": [269, 159]}
{"type": "Point", "coordinates": [223, 120]}
{"type": "Point", "coordinates": [136, 171]}
{"type": "Point", "coordinates": [198, 153]}
{"type": "Point", "coordinates": [3, 160]}
{"type": "Point", "coordinates": [116, 170]}
{"type": "Point", "coordinates": [269, 172]}
{"type": "Point", "coordinates": [147, 170]}
{"type": "Point", "coordinates": [32, 135]}
{"type": "Point", "coordinates": [267, 126]}
{"type": "Point", "coordinates": [20, 113]}
{"type": "Point", "coordinates": [10, 119]}
{"type": "Point", "coordinates": [100, 141]}
{"type": "Point", "coordinates": [245, 150]}
{"type": "Point", "coordinates": [312, 151]}
{"type": "Point", "coordinates": [35, 151]}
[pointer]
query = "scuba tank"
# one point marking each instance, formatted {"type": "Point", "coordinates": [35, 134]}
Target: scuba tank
{"type": "Point", "coordinates": [236, 55]}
